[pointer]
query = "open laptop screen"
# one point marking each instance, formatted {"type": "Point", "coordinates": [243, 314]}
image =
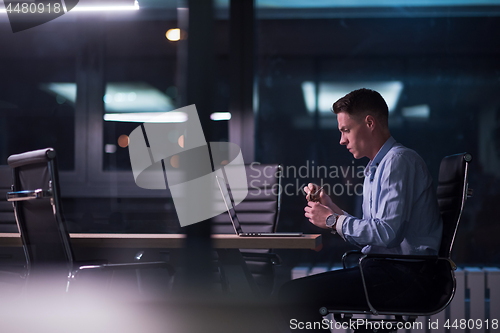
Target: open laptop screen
{"type": "Point", "coordinates": [229, 206]}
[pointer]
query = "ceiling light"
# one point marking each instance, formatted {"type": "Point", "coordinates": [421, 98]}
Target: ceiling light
{"type": "Point", "coordinates": [417, 112]}
{"type": "Point", "coordinates": [115, 8]}
{"type": "Point", "coordinates": [216, 116]}
{"type": "Point", "coordinates": [150, 117]}
{"type": "Point", "coordinates": [173, 35]}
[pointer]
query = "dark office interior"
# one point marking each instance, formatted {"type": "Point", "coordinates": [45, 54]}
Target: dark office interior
{"type": "Point", "coordinates": [277, 67]}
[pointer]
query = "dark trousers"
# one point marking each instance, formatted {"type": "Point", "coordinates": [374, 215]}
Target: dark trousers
{"type": "Point", "coordinates": [391, 285]}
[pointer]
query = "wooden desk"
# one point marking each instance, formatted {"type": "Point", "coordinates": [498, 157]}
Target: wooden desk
{"type": "Point", "coordinates": [173, 241]}
{"type": "Point", "coordinates": [236, 271]}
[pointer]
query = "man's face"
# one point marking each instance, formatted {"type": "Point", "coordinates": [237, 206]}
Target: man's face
{"type": "Point", "coordinates": [355, 134]}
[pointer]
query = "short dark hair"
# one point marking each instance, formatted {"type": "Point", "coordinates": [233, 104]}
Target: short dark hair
{"type": "Point", "coordinates": [362, 102]}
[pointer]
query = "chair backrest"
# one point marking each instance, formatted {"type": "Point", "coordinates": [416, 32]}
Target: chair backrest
{"type": "Point", "coordinates": [259, 211]}
{"type": "Point", "coordinates": [7, 217]}
{"type": "Point", "coordinates": [38, 210]}
{"type": "Point", "coordinates": [452, 193]}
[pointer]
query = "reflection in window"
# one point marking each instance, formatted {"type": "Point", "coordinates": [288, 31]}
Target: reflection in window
{"type": "Point", "coordinates": [126, 106]}
{"type": "Point", "coordinates": [417, 112]}
{"type": "Point", "coordinates": [135, 97]}
{"type": "Point", "coordinates": [332, 91]}
{"type": "Point", "coordinates": [438, 72]}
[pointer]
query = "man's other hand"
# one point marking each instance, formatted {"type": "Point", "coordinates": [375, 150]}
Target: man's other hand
{"type": "Point", "coordinates": [317, 214]}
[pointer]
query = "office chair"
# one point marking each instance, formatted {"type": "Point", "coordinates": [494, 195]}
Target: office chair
{"type": "Point", "coordinates": [12, 264]}
{"type": "Point", "coordinates": [7, 217]}
{"type": "Point", "coordinates": [452, 192]}
{"type": "Point", "coordinates": [258, 212]}
{"type": "Point", "coordinates": [46, 242]}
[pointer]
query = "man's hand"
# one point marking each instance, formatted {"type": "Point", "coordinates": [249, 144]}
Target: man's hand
{"type": "Point", "coordinates": [317, 214]}
{"type": "Point", "coordinates": [324, 199]}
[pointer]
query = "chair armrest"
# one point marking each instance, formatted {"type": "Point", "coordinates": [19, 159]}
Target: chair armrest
{"type": "Point", "coordinates": [273, 257]}
{"type": "Point", "coordinates": [409, 258]}
{"type": "Point", "coordinates": [28, 195]}
{"type": "Point", "coordinates": [347, 254]}
{"type": "Point", "coordinates": [400, 256]}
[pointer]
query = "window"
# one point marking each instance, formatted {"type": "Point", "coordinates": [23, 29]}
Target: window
{"type": "Point", "coordinates": [37, 108]}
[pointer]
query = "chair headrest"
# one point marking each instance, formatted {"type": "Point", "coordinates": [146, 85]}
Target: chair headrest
{"type": "Point", "coordinates": [31, 157]}
{"type": "Point", "coordinates": [453, 166]}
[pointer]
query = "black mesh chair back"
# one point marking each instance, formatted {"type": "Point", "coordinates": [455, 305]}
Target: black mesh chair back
{"type": "Point", "coordinates": [452, 193]}
{"type": "Point", "coordinates": [37, 208]}
{"type": "Point", "coordinates": [258, 212]}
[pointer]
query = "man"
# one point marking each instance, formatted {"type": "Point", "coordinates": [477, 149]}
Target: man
{"type": "Point", "coordinates": [400, 216]}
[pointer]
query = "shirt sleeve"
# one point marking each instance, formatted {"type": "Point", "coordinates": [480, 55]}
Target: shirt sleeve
{"type": "Point", "coordinates": [391, 199]}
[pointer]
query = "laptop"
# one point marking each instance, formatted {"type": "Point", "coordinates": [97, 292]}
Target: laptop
{"type": "Point", "coordinates": [228, 201]}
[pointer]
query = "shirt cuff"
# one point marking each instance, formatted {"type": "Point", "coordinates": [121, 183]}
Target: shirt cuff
{"type": "Point", "coordinates": [339, 224]}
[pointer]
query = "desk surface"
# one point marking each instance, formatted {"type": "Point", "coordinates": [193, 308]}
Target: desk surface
{"type": "Point", "coordinates": [171, 241]}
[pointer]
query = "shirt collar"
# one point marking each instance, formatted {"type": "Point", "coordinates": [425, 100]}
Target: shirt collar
{"type": "Point", "coordinates": [380, 155]}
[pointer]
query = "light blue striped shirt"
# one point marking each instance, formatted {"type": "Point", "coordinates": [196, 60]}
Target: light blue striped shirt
{"type": "Point", "coordinates": [400, 211]}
